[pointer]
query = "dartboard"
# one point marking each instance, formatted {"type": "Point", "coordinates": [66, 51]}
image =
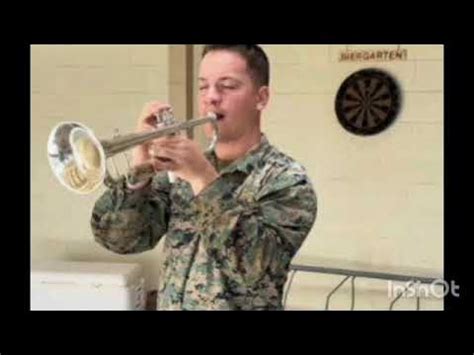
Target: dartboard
{"type": "Point", "coordinates": [368, 102]}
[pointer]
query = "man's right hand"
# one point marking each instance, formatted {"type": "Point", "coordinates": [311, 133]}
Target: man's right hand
{"type": "Point", "coordinates": [147, 122]}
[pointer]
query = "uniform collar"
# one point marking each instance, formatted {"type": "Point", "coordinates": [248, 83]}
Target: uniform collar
{"type": "Point", "coordinates": [247, 163]}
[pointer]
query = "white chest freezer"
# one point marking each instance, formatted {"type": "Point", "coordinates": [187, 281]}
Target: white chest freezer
{"type": "Point", "coordinates": [72, 285]}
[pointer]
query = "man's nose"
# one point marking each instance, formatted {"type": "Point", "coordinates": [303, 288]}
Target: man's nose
{"type": "Point", "coordinates": [213, 96]}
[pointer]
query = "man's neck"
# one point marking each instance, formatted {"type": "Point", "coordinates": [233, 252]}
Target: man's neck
{"type": "Point", "coordinates": [233, 150]}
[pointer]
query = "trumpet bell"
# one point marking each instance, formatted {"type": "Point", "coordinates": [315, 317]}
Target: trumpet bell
{"type": "Point", "coordinates": [76, 157]}
{"type": "Point", "coordinates": [79, 160]}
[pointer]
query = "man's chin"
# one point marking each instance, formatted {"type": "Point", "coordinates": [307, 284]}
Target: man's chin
{"type": "Point", "coordinates": [226, 139]}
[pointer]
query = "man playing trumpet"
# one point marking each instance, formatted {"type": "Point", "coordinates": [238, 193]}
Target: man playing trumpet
{"type": "Point", "coordinates": [234, 218]}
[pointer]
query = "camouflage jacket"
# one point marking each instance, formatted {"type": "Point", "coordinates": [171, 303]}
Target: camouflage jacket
{"type": "Point", "coordinates": [228, 248]}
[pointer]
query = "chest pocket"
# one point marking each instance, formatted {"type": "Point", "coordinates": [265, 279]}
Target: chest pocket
{"type": "Point", "coordinates": [180, 228]}
{"type": "Point", "coordinates": [250, 190]}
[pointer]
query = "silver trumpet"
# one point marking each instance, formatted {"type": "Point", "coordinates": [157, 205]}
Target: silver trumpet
{"type": "Point", "coordinates": [78, 158]}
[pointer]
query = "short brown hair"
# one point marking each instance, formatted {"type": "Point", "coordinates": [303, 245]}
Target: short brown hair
{"type": "Point", "coordinates": [257, 61]}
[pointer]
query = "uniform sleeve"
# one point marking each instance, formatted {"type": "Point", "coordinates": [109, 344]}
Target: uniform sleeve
{"type": "Point", "coordinates": [131, 222]}
{"type": "Point", "coordinates": [251, 239]}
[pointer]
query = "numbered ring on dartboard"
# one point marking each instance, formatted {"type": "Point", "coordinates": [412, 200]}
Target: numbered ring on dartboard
{"type": "Point", "coordinates": [368, 102]}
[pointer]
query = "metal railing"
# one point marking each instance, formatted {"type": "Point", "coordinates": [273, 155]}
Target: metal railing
{"type": "Point", "coordinates": [353, 274]}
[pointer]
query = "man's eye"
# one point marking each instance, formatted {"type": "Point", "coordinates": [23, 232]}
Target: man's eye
{"type": "Point", "coordinates": [201, 88]}
{"type": "Point", "coordinates": [229, 87]}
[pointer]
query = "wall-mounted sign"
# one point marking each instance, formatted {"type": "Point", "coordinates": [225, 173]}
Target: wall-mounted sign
{"type": "Point", "coordinates": [378, 55]}
{"type": "Point", "coordinates": [368, 102]}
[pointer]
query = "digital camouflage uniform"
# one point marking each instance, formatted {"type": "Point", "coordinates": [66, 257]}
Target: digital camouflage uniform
{"type": "Point", "coordinates": [230, 247]}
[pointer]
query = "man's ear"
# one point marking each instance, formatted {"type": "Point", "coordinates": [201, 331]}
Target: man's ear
{"type": "Point", "coordinates": [263, 97]}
